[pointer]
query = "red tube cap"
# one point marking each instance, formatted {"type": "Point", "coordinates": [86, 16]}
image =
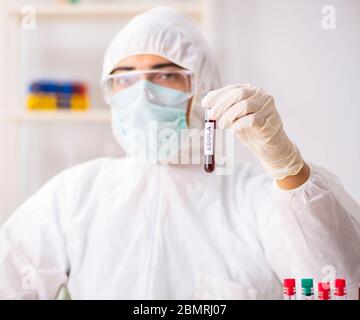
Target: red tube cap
{"type": "Point", "coordinates": [324, 290]}
{"type": "Point", "coordinates": [340, 287]}
{"type": "Point", "coordinates": [289, 283]}
{"type": "Point", "coordinates": [289, 287]}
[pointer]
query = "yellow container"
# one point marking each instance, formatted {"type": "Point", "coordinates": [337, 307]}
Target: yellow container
{"type": "Point", "coordinates": [44, 102]}
{"type": "Point", "coordinates": [79, 102]}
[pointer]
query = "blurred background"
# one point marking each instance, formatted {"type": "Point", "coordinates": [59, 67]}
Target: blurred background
{"type": "Point", "coordinates": [305, 53]}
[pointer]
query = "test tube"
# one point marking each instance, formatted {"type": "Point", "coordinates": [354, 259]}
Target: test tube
{"type": "Point", "coordinates": [340, 289]}
{"type": "Point", "coordinates": [209, 143]}
{"type": "Point", "coordinates": [307, 289]}
{"type": "Point", "coordinates": [289, 289]}
{"type": "Point", "coordinates": [324, 291]}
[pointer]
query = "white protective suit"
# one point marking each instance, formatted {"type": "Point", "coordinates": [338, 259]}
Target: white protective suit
{"type": "Point", "coordinates": [114, 228]}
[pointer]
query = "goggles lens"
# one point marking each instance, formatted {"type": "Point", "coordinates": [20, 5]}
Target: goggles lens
{"type": "Point", "coordinates": [180, 80]}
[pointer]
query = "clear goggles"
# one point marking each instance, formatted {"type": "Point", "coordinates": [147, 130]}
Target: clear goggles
{"type": "Point", "coordinates": [180, 80]}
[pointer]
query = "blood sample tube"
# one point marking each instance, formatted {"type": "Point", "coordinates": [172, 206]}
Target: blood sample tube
{"type": "Point", "coordinates": [307, 289]}
{"type": "Point", "coordinates": [209, 144]}
{"type": "Point", "coordinates": [289, 289]}
{"type": "Point", "coordinates": [340, 289]}
{"type": "Point", "coordinates": [324, 291]}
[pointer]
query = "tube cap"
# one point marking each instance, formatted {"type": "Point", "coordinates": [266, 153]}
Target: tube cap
{"type": "Point", "coordinates": [307, 283]}
{"type": "Point", "coordinates": [340, 283]}
{"type": "Point", "coordinates": [340, 287]}
{"type": "Point", "coordinates": [324, 290]}
{"type": "Point", "coordinates": [289, 287]}
{"type": "Point", "coordinates": [289, 283]}
{"type": "Point", "coordinates": [307, 286]}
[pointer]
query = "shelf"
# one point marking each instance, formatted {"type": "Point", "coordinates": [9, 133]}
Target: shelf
{"type": "Point", "coordinates": [126, 9]}
{"type": "Point", "coordinates": [59, 116]}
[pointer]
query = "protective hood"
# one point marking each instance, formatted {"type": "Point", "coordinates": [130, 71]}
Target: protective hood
{"type": "Point", "coordinates": [163, 31]}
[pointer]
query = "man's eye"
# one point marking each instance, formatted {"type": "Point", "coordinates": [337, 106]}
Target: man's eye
{"type": "Point", "coordinates": [122, 82]}
{"type": "Point", "coordinates": [168, 76]}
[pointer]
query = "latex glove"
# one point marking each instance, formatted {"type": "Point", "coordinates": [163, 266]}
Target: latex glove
{"type": "Point", "coordinates": [251, 114]}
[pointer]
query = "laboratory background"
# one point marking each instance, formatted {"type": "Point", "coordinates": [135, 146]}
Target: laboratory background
{"type": "Point", "coordinates": [303, 52]}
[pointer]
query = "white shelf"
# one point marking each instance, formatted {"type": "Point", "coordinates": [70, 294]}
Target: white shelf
{"type": "Point", "coordinates": [100, 116]}
{"type": "Point", "coordinates": [126, 8]}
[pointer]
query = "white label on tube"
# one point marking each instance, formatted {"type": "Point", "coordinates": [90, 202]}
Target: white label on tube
{"type": "Point", "coordinates": [209, 139]}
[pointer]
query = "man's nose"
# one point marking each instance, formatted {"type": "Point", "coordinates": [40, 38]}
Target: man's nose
{"type": "Point", "coordinates": [144, 91]}
{"type": "Point", "coordinates": [145, 77]}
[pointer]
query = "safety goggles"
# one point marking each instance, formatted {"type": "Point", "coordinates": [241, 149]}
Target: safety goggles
{"type": "Point", "coordinates": [180, 80]}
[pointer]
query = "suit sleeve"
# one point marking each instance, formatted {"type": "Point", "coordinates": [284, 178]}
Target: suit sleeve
{"type": "Point", "coordinates": [312, 231]}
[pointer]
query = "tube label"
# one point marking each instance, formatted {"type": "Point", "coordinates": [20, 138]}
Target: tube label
{"type": "Point", "coordinates": [209, 139]}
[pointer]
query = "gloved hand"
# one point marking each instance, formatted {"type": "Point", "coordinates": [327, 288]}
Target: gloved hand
{"type": "Point", "coordinates": [251, 114]}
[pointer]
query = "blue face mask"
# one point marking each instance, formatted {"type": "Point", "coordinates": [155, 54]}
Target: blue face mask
{"type": "Point", "coordinates": [146, 116]}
